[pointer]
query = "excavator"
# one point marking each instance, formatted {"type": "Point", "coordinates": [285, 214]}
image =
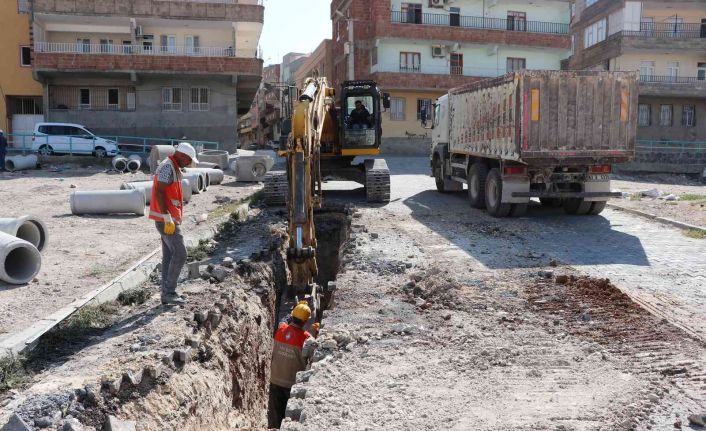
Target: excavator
{"type": "Point", "coordinates": [322, 144]}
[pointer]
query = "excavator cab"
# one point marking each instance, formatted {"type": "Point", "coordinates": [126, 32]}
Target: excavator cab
{"type": "Point", "coordinates": [361, 118]}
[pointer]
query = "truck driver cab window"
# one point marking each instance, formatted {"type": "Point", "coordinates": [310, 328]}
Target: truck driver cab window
{"type": "Point", "coordinates": [361, 112]}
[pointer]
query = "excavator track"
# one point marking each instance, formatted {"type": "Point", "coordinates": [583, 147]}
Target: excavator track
{"type": "Point", "coordinates": [276, 188]}
{"type": "Point", "coordinates": [377, 181]}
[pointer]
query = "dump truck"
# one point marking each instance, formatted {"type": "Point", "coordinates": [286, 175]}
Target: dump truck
{"type": "Point", "coordinates": [552, 135]}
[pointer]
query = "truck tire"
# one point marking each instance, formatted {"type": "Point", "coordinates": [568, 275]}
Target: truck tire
{"type": "Point", "coordinates": [597, 208]}
{"type": "Point", "coordinates": [494, 194]}
{"type": "Point", "coordinates": [551, 202]}
{"type": "Point", "coordinates": [518, 210]}
{"type": "Point", "coordinates": [437, 175]}
{"type": "Point", "coordinates": [577, 206]}
{"type": "Point", "coordinates": [477, 175]}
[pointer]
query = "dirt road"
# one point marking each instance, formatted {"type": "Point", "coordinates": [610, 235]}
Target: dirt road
{"type": "Point", "coordinates": [443, 321]}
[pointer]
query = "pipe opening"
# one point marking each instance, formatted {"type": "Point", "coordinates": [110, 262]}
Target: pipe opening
{"type": "Point", "coordinates": [42, 235]}
{"type": "Point", "coordinates": [120, 165]}
{"type": "Point", "coordinates": [22, 264]}
{"type": "Point", "coordinates": [133, 165]}
{"type": "Point", "coordinates": [31, 233]}
{"type": "Point", "coordinates": [9, 164]}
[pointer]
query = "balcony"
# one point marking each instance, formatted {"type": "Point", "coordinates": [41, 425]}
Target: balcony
{"type": "Point", "coordinates": [429, 77]}
{"type": "Point", "coordinates": [688, 36]}
{"type": "Point", "coordinates": [227, 10]}
{"type": "Point", "coordinates": [461, 21]}
{"type": "Point", "coordinates": [673, 86]}
{"type": "Point", "coordinates": [72, 57]}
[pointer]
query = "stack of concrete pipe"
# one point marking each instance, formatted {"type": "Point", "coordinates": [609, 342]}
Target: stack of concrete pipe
{"type": "Point", "coordinates": [218, 157]}
{"type": "Point", "coordinates": [21, 241]}
{"type": "Point", "coordinates": [146, 188]}
{"type": "Point", "coordinates": [134, 162]}
{"type": "Point", "coordinates": [19, 163]}
{"type": "Point", "coordinates": [215, 176]}
{"type": "Point", "coordinates": [120, 163]}
{"type": "Point", "coordinates": [198, 180]}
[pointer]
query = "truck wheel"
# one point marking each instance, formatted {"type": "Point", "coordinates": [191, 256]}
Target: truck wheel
{"type": "Point", "coordinates": [597, 208]}
{"type": "Point", "coordinates": [477, 175]}
{"type": "Point", "coordinates": [550, 202]}
{"type": "Point", "coordinates": [577, 206]}
{"type": "Point", "coordinates": [494, 194]}
{"type": "Point", "coordinates": [437, 176]}
{"type": "Point", "coordinates": [518, 210]}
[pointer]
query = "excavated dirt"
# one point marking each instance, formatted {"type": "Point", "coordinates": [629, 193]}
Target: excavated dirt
{"type": "Point", "coordinates": [201, 366]}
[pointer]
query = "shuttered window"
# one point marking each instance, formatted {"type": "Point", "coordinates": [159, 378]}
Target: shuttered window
{"type": "Point", "coordinates": [397, 108]}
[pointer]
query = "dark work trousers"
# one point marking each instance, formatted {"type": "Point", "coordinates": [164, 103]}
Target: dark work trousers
{"type": "Point", "coordinates": [2, 159]}
{"type": "Point", "coordinates": [278, 404]}
{"type": "Point", "coordinates": [173, 258]}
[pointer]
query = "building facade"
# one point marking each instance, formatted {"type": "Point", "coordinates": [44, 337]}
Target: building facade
{"type": "Point", "coordinates": [148, 67]}
{"type": "Point", "coordinates": [320, 60]}
{"type": "Point", "coordinates": [291, 62]}
{"type": "Point", "coordinates": [417, 50]}
{"type": "Point", "coordinates": [665, 41]}
{"type": "Point", "coordinates": [21, 104]}
{"type": "Point", "coordinates": [262, 123]}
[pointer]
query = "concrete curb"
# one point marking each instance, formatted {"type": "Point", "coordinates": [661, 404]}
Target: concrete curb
{"type": "Point", "coordinates": [663, 220]}
{"type": "Point", "coordinates": [138, 273]}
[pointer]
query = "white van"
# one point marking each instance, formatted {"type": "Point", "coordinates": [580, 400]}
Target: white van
{"type": "Point", "coordinates": [57, 138]}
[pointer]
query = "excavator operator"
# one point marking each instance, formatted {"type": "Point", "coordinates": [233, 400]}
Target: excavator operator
{"type": "Point", "coordinates": [360, 117]}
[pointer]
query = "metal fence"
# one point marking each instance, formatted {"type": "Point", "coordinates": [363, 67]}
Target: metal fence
{"type": "Point", "coordinates": [671, 147]}
{"type": "Point", "coordinates": [127, 49]}
{"type": "Point", "coordinates": [672, 79]}
{"type": "Point", "coordinates": [451, 20]}
{"type": "Point", "coordinates": [90, 145]}
{"type": "Point", "coordinates": [668, 30]}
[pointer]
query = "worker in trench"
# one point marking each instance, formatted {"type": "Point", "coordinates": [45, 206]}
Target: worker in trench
{"type": "Point", "coordinates": [289, 356]}
{"type": "Point", "coordinates": [166, 209]}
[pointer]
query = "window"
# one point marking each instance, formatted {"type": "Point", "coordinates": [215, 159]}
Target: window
{"type": "Point", "coordinates": [127, 47]}
{"type": "Point", "coordinates": [455, 16]}
{"type": "Point", "coordinates": [643, 115]}
{"type": "Point", "coordinates": [673, 71]}
{"type": "Point", "coordinates": [516, 21]}
{"type": "Point", "coordinates": [147, 46]}
{"type": "Point", "coordinates": [412, 13]}
{"type": "Point", "coordinates": [590, 2]}
{"type": "Point", "coordinates": [701, 72]}
{"type": "Point", "coordinates": [665, 115]}
{"type": "Point", "coordinates": [423, 105]}
{"type": "Point", "coordinates": [84, 98]}
{"type": "Point", "coordinates": [688, 116]}
{"type": "Point", "coordinates": [410, 62]}
{"type": "Point", "coordinates": [168, 44]}
{"type": "Point", "coordinates": [171, 99]}
{"type": "Point", "coordinates": [647, 70]}
{"type": "Point", "coordinates": [456, 64]}
{"type": "Point", "coordinates": [113, 99]}
{"type": "Point", "coordinates": [515, 64]}
{"type": "Point", "coordinates": [373, 56]}
{"type": "Point", "coordinates": [131, 102]}
{"type": "Point", "coordinates": [106, 45]}
{"type": "Point", "coordinates": [25, 56]}
{"type": "Point", "coordinates": [83, 45]}
{"type": "Point", "coordinates": [192, 45]}
{"type": "Point", "coordinates": [397, 108]}
{"type": "Point", "coordinates": [594, 33]}
{"type": "Point", "coordinates": [199, 99]}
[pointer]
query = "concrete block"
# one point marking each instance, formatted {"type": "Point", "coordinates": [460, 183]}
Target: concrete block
{"type": "Point", "coordinates": [115, 424]}
{"type": "Point", "coordinates": [214, 317]}
{"type": "Point", "coordinates": [183, 356]}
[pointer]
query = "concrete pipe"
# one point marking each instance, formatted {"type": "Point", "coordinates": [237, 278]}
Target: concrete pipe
{"type": "Point", "coordinates": [146, 188]}
{"type": "Point", "coordinates": [197, 181]}
{"type": "Point", "coordinates": [20, 261]}
{"type": "Point", "coordinates": [215, 176]}
{"type": "Point", "coordinates": [252, 168]}
{"type": "Point", "coordinates": [120, 163]}
{"type": "Point", "coordinates": [203, 165]}
{"type": "Point", "coordinates": [20, 163]}
{"type": "Point", "coordinates": [134, 162]}
{"type": "Point", "coordinates": [186, 190]}
{"type": "Point", "coordinates": [28, 228]}
{"type": "Point", "coordinates": [217, 157]}
{"type": "Point", "coordinates": [108, 202]}
{"type": "Point", "coordinates": [159, 153]}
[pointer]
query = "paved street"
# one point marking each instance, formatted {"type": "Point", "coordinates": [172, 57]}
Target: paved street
{"type": "Point", "coordinates": [656, 265]}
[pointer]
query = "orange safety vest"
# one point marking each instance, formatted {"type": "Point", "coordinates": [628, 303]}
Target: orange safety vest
{"type": "Point", "coordinates": [175, 195]}
{"type": "Point", "coordinates": [287, 358]}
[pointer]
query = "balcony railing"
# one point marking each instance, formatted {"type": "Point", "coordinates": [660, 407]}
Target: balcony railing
{"type": "Point", "coordinates": [668, 30]}
{"type": "Point", "coordinates": [113, 49]}
{"type": "Point", "coordinates": [451, 20]}
{"type": "Point", "coordinates": [430, 69]}
{"type": "Point", "coordinates": [647, 146]}
{"type": "Point", "coordinates": [672, 79]}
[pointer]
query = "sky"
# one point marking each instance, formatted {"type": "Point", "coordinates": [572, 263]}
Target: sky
{"type": "Point", "coordinates": [294, 26]}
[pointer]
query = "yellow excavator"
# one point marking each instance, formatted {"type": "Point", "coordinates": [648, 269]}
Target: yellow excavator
{"type": "Point", "coordinates": [323, 143]}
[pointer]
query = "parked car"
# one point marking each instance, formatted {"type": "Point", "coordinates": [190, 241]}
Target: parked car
{"type": "Point", "coordinates": [66, 138]}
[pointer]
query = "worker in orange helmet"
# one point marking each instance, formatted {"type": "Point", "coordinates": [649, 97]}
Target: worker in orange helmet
{"type": "Point", "coordinates": [288, 359]}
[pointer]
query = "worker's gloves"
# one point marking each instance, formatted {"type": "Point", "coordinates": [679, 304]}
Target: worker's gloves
{"type": "Point", "coordinates": [169, 225]}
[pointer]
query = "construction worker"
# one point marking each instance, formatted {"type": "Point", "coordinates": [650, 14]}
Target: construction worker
{"type": "Point", "coordinates": [287, 360]}
{"type": "Point", "coordinates": [3, 150]}
{"type": "Point", "coordinates": [166, 211]}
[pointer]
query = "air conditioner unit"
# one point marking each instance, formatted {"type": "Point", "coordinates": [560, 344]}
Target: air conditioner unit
{"type": "Point", "coordinates": [438, 51]}
{"type": "Point", "coordinates": [347, 48]}
{"type": "Point", "coordinates": [437, 3]}
{"type": "Point", "coordinates": [138, 31]}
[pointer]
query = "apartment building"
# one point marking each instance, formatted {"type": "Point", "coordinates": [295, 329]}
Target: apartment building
{"type": "Point", "coordinates": [665, 41]}
{"type": "Point", "coordinates": [261, 124]}
{"type": "Point", "coordinates": [158, 68]}
{"type": "Point", "coordinates": [320, 60]}
{"type": "Point", "coordinates": [416, 50]}
{"type": "Point", "coordinates": [21, 104]}
{"type": "Point", "coordinates": [291, 62]}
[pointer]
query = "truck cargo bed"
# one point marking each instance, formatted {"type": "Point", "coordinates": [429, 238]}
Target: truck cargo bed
{"type": "Point", "coordinates": [547, 117]}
